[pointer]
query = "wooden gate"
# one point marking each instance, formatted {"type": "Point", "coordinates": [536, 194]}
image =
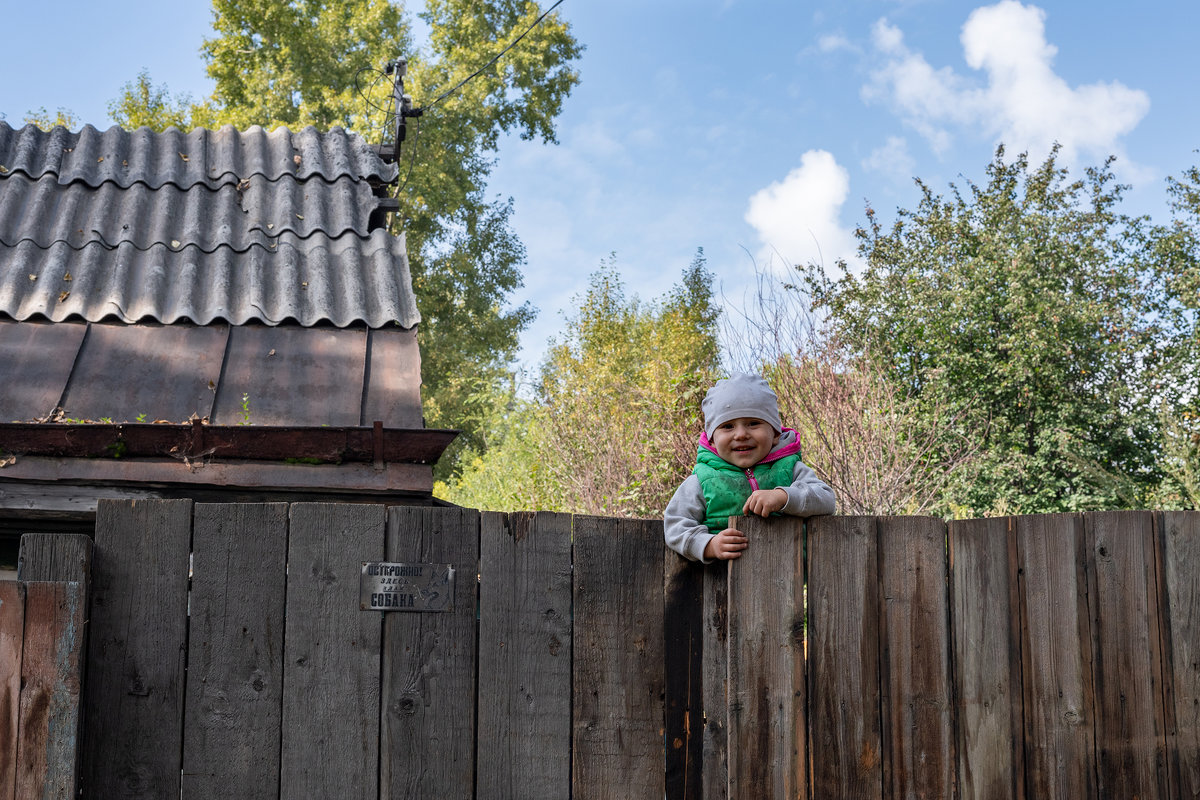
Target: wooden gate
{"type": "Point", "coordinates": [1029, 657]}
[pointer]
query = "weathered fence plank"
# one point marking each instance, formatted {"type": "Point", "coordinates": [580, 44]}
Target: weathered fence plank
{"type": "Point", "coordinates": [1128, 664]}
{"type": "Point", "coordinates": [1180, 571]}
{"type": "Point", "coordinates": [987, 658]}
{"type": "Point", "coordinates": [133, 695]}
{"type": "Point", "coordinates": [429, 663]}
{"type": "Point", "coordinates": [683, 641]}
{"type": "Point", "coordinates": [56, 557]}
{"type": "Point", "coordinates": [331, 660]}
{"type": "Point", "coordinates": [235, 651]}
{"type": "Point", "coordinates": [12, 637]}
{"type": "Point", "coordinates": [48, 755]}
{"type": "Point", "coordinates": [524, 741]}
{"type": "Point", "coordinates": [845, 733]}
{"type": "Point", "coordinates": [715, 674]}
{"type": "Point", "coordinates": [618, 659]}
{"type": "Point", "coordinates": [917, 695]}
{"type": "Point", "coordinates": [767, 693]}
{"type": "Point", "coordinates": [1056, 658]}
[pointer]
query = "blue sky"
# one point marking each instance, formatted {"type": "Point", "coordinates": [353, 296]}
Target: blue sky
{"type": "Point", "coordinates": [756, 130]}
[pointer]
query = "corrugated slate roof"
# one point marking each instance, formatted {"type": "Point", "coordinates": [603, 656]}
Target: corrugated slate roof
{"type": "Point", "coordinates": [225, 225]}
{"type": "Point", "coordinates": [202, 156]}
{"type": "Point", "coordinates": [302, 280]}
{"type": "Point", "coordinates": [236, 216]}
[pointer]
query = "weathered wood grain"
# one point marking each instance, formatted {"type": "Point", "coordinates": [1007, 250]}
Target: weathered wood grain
{"type": "Point", "coordinates": [987, 658]}
{"type": "Point", "coordinates": [845, 733]}
{"type": "Point", "coordinates": [133, 693]}
{"type": "Point", "coordinates": [683, 656]}
{"type": "Point", "coordinates": [56, 557]}
{"type": "Point", "coordinates": [55, 633]}
{"type": "Point", "coordinates": [1181, 593]}
{"type": "Point", "coordinates": [524, 728]}
{"type": "Point", "coordinates": [715, 682]}
{"type": "Point", "coordinates": [1128, 665]}
{"type": "Point", "coordinates": [12, 637]}
{"type": "Point", "coordinates": [235, 651]}
{"type": "Point", "coordinates": [429, 663]}
{"type": "Point", "coordinates": [331, 654]}
{"type": "Point", "coordinates": [1056, 658]}
{"type": "Point", "coordinates": [767, 693]}
{"type": "Point", "coordinates": [917, 694]}
{"type": "Point", "coordinates": [618, 659]}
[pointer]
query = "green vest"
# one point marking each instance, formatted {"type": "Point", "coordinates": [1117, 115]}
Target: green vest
{"type": "Point", "coordinates": [727, 487]}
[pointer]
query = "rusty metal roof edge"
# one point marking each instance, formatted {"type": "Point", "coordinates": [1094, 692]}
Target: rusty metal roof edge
{"type": "Point", "coordinates": [195, 440]}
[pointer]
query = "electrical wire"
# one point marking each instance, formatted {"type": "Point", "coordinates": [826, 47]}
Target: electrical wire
{"type": "Point", "coordinates": [494, 58]}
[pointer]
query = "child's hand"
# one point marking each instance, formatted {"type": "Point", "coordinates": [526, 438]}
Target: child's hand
{"type": "Point", "coordinates": [764, 501]}
{"type": "Point", "coordinates": [726, 545]}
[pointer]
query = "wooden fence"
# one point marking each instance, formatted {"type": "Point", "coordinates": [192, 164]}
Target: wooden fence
{"type": "Point", "coordinates": [1028, 657]}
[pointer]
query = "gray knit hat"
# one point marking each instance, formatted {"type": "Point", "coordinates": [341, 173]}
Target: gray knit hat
{"type": "Point", "coordinates": [740, 395]}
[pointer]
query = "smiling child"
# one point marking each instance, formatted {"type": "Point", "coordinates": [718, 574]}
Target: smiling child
{"type": "Point", "coordinates": [747, 463]}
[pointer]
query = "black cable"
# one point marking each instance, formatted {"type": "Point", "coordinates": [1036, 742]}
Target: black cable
{"type": "Point", "coordinates": [412, 159]}
{"type": "Point", "coordinates": [494, 58]}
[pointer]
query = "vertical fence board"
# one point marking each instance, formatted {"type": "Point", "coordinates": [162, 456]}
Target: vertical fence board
{"type": "Point", "coordinates": [235, 651]}
{"type": "Point", "coordinates": [714, 681]}
{"type": "Point", "coordinates": [47, 756]}
{"type": "Point", "coordinates": [683, 641]}
{"type": "Point", "coordinates": [1128, 664]}
{"type": "Point", "coordinates": [917, 696]}
{"type": "Point", "coordinates": [1181, 574]}
{"type": "Point", "coordinates": [12, 636]}
{"type": "Point", "coordinates": [618, 658]}
{"type": "Point", "coordinates": [987, 658]}
{"type": "Point", "coordinates": [56, 557]}
{"type": "Point", "coordinates": [524, 739]}
{"type": "Point", "coordinates": [133, 710]}
{"type": "Point", "coordinates": [428, 747]}
{"type": "Point", "coordinates": [845, 735]}
{"type": "Point", "coordinates": [331, 661]}
{"type": "Point", "coordinates": [1056, 658]}
{"type": "Point", "coordinates": [767, 751]}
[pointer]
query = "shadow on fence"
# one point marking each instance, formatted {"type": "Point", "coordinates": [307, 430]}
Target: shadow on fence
{"type": "Point", "coordinates": [229, 656]}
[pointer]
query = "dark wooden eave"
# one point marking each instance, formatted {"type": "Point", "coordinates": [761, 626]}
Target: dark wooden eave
{"type": "Point", "coordinates": [325, 445]}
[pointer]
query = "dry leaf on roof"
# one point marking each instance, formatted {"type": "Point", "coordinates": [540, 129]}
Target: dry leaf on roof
{"type": "Point", "coordinates": [67, 277]}
{"type": "Point", "coordinates": [174, 243]}
{"type": "Point", "coordinates": [7, 461]}
{"type": "Point", "coordinates": [63, 296]}
{"type": "Point", "coordinates": [185, 158]}
{"type": "Point", "coordinates": [32, 277]}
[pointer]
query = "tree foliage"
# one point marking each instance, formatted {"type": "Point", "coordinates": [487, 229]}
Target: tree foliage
{"type": "Point", "coordinates": [1029, 307]}
{"type": "Point", "coordinates": [613, 429]}
{"type": "Point", "coordinates": [45, 120]}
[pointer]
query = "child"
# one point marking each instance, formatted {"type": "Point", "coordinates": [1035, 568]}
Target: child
{"type": "Point", "coordinates": [747, 463]}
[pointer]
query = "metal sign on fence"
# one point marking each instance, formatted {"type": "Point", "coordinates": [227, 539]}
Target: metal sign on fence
{"type": "Point", "coordinates": [390, 586]}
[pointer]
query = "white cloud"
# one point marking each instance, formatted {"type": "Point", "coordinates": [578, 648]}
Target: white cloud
{"type": "Point", "coordinates": [797, 218]}
{"type": "Point", "coordinates": [832, 42]}
{"type": "Point", "coordinates": [892, 160]}
{"type": "Point", "coordinates": [1021, 100]}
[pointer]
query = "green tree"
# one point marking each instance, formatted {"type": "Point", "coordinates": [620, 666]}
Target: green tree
{"type": "Point", "coordinates": [1027, 308]}
{"type": "Point", "coordinates": [45, 120]}
{"type": "Point", "coordinates": [142, 103]}
{"type": "Point", "coordinates": [613, 428]}
{"type": "Point", "coordinates": [317, 62]}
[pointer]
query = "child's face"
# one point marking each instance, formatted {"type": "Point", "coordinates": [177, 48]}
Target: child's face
{"type": "Point", "coordinates": [744, 441]}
